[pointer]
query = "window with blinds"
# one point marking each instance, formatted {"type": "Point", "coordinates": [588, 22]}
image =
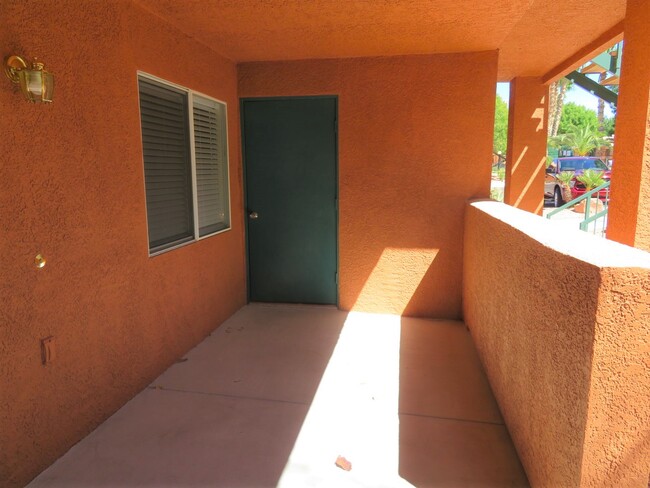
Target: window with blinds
{"type": "Point", "coordinates": [184, 145]}
{"type": "Point", "coordinates": [211, 155]}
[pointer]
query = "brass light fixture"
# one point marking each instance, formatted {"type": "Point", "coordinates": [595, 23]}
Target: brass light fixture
{"type": "Point", "coordinates": [36, 83]}
{"type": "Point", "coordinates": [39, 261]}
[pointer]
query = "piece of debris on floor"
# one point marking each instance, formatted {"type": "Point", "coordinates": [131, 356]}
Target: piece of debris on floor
{"type": "Point", "coordinates": [343, 463]}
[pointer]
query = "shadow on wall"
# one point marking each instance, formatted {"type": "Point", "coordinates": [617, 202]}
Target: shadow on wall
{"type": "Point", "coordinates": [394, 280]}
{"type": "Point", "coordinates": [413, 281]}
{"type": "Point", "coordinates": [527, 144]}
{"type": "Point", "coordinates": [525, 193]}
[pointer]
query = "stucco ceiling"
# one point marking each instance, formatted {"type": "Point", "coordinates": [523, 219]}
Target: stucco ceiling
{"type": "Point", "coordinates": [533, 36]}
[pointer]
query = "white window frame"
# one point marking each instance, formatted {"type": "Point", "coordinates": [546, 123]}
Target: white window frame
{"type": "Point", "coordinates": [195, 209]}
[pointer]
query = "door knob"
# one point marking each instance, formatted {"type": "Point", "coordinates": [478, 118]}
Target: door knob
{"type": "Point", "coordinates": [253, 215]}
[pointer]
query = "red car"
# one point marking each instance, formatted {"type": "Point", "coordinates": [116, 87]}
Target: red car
{"type": "Point", "coordinates": [578, 165]}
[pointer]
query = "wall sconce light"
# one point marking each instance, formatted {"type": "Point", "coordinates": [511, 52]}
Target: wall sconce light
{"type": "Point", "coordinates": [36, 84]}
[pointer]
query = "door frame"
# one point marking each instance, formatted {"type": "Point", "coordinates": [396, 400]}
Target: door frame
{"type": "Point", "coordinates": [242, 101]}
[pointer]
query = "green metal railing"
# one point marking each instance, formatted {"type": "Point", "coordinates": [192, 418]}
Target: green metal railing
{"type": "Point", "coordinates": [584, 225]}
{"type": "Point", "coordinates": [500, 161]}
{"type": "Point", "coordinates": [609, 60]}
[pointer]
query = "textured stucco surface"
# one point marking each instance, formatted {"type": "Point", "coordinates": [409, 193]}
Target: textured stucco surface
{"type": "Point", "coordinates": [565, 342]}
{"type": "Point", "coordinates": [527, 134]}
{"type": "Point", "coordinates": [629, 220]}
{"type": "Point", "coordinates": [527, 33]}
{"type": "Point", "coordinates": [411, 151]}
{"type": "Point", "coordinates": [618, 420]}
{"type": "Point", "coordinates": [71, 188]}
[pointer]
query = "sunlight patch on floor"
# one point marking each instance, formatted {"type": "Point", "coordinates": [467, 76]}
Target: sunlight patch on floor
{"type": "Point", "coordinates": [354, 412]}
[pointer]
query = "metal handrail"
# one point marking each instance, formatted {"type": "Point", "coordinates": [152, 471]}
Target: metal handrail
{"type": "Point", "coordinates": [585, 223]}
{"type": "Point", "coordinates": [582, 197]}
{"type": "Point", "coordinates": [501, 160]}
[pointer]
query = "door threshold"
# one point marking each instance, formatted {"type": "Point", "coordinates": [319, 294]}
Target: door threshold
{"type": "Point", "coordinates": [292, 305]}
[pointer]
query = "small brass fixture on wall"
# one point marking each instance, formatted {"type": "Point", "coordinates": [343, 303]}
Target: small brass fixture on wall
{"type": "Point", "coordinates": [39, 261]}
{"type": "Point", "coordinates": [36, 83]}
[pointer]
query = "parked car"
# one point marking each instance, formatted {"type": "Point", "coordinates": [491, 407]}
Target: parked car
{"type": "Point", "coordinates": [576, 164]}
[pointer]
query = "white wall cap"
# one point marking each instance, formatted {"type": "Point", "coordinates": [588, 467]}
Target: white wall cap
{"type": "Point", "coordinates": [575, 243]}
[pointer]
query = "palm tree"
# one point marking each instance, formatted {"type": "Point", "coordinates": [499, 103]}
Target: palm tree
{"type": "Point", "coordinates": [601, 104]}
{"type": "Point", "coordinates": [591, 178]}
{"type": "Point", "coordinates": [582, 140]}
{"type": "Point", "coordinates": [557, 93]}
{"type": "Point", "coordinates": [565, 178]}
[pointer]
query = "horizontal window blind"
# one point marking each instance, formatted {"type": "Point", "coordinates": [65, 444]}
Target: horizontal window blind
{"type": "Point", "coordinates": [211, 159]}
{"type": "Point", "coordinates": [185, 151]}
{"type": "Point", "coordinates": [167, 168]}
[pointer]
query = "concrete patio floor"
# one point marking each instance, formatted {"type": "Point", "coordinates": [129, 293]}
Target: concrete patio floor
{"type": "Point", "coordinates": [275, 394]}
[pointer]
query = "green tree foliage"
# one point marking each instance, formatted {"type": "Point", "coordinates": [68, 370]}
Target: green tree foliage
{"type": "Point", "coordinates": [582, 139]}
{"type": "Point", "coordinates": [576, 116]}
{"type": "Point", "coordinates": [591, 178]}
{"type": "Point", "coordinates": [500, 126]}
{"type": "Point", "coordinates": [609, 124]}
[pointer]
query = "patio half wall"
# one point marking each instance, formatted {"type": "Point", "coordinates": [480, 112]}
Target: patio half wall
{"type": "Point", "coordinates": [561, 324]}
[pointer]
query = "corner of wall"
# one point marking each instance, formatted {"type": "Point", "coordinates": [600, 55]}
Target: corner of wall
{"type": "Point", "coordinates": [617, 443]}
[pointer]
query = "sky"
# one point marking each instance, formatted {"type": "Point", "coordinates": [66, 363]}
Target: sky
{"type": "Point", "coordinates": [576, 95]}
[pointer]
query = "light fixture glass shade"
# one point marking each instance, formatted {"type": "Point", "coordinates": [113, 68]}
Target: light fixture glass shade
{"type": "Point", "coordinates": [37, 84]}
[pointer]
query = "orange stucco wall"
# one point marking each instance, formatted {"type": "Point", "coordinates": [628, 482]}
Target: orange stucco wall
{"type": "Point", "coordinates": [629, 210]}
{"type": "Point", "coordinates": [527, 134]}
{"type": "Point", "coordinates": [415, 139]}
{"type": "Point", "coordinates": [561, 324]}
{"type": "Point", "coordinates": [71, 187]}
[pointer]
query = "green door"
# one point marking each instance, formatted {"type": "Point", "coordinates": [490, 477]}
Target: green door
{"type": "Point", "coordinates": [290, 154]}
